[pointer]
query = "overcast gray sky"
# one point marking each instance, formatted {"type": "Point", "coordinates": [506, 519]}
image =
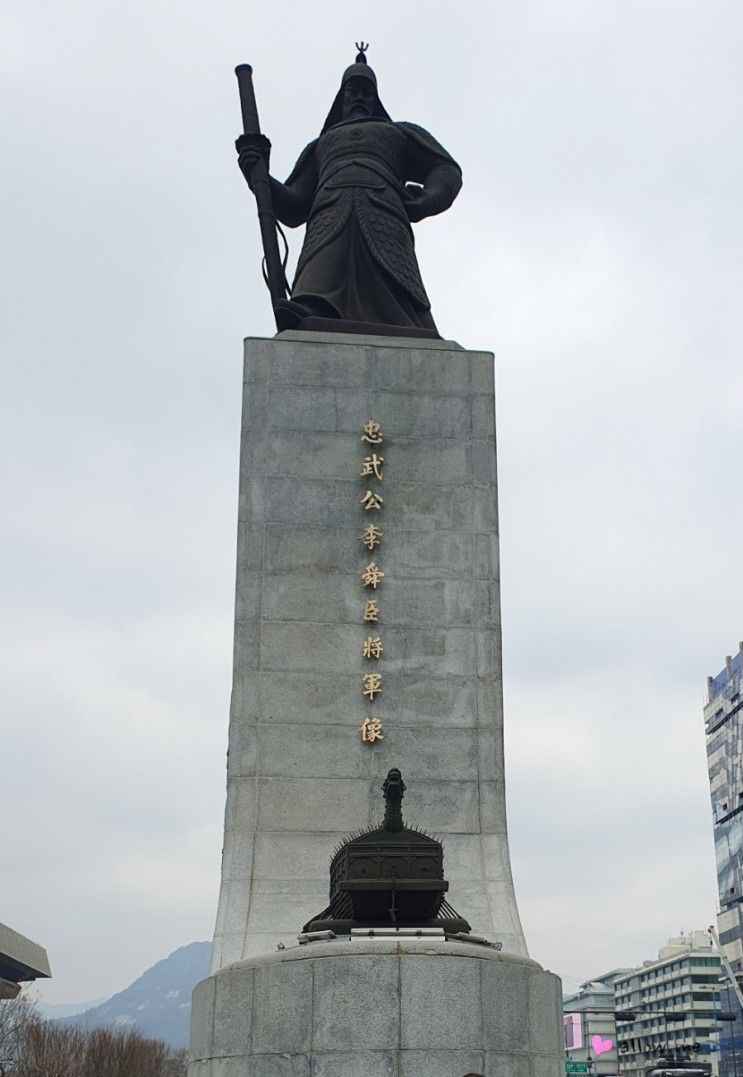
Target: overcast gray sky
{"type": "Point", "coordinates": [595, 248]}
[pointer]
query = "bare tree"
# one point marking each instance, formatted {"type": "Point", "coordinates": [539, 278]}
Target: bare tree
{"type": "Point", "coordinates": [50, 1050]}
{"type": "Point", "coordinates": [111, 1053]}
{"type": "Point", "coordinates": [14, 1015]}
{"type": "Point", "coordinates": [31, 1047]}
{"type": "Point", "coordinates": [176, 1064]}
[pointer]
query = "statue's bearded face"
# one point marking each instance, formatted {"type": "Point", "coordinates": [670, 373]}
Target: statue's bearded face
{"type": "Point", "coordinates": [359, 98]}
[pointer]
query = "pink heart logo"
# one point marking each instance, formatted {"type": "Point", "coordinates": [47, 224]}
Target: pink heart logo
{"type": "Point", "coordinates": [600, 1045]}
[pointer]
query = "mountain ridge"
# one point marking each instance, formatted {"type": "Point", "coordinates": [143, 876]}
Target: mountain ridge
{"type": "Point", "coordinates": [158, 1003]}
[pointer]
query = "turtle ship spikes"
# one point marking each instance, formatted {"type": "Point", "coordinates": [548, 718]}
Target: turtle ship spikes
{"type": "Point", "coordinates": [388, 876]}
{"type": "Point", "coordinates": [356, 834]}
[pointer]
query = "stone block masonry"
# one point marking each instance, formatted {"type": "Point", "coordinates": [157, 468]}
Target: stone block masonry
{"type": "Point", "coordinates": [379, 1008]}
{"type": "Point", "coordinates": [299, 775]}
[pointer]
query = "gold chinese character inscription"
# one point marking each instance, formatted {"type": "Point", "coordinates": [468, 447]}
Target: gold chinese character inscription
{"type": "Point", "coordinates": [372, 647]}
{"type": "Point", "coordinates": [372, 433]}
{"type": "Point", "coordinates": [371, 730]}
{"type": "Point", "coordinates": [371, 575]}
{"type": "Point", "coordinates": [373, 501]}
{"type": "Point", "coordinates": [372, 465]}
{"type": "Point", "coordinates": [371, 611]}
{"type": "Point", "coordinates": [372, 684]}
{"type": "Point", "coordinates": [371, 536]}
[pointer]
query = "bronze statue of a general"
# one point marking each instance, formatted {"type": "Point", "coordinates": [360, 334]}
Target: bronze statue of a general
{"type": "Point", "coordinates": [358, 187]}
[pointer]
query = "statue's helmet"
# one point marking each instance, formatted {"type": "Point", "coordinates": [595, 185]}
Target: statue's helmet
{"type": "Point", "coordinates": [359, 69]}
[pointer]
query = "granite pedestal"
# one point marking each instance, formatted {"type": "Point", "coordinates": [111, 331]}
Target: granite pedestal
{"type": "Point", "coordinates": [379, 1008]}
{"type": "Point", "coordinates": [300, 777]}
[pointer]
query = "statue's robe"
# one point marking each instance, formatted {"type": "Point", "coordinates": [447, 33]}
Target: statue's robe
{"type": "Point", "coordinates": [358, 256]}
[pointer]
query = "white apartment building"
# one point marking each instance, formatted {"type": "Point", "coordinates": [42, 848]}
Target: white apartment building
{"type": "Point", "coordinates": [590, 1028]}
{"type": "Point", "coordinates": [675, 1001]}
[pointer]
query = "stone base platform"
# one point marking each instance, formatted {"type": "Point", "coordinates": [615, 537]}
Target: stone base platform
{"type": "Point", "coordinates": [379, 1008]}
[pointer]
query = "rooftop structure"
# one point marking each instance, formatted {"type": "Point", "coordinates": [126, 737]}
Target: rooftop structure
{"type": "Point", "coordinates": [20, 960]}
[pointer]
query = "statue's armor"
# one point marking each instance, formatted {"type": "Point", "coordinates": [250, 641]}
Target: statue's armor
{"type": "Point", "coordinates": [360, 168]}
{"type": "Point", "coordinates": [349, 187]}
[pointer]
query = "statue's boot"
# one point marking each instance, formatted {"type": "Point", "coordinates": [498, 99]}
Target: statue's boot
{"type": "Point", "coordinates": [290, 312]}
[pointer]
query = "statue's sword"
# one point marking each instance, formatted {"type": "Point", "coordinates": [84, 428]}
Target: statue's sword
{"type": "Point", "coordinates": [273, 270]}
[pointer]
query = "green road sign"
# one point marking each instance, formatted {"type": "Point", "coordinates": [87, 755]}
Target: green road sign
{"type": "Point", "coordinates": [575, 1067]}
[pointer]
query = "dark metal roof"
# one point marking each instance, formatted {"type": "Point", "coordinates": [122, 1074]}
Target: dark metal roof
{"type": "Point", "coordinates": [20, 958]}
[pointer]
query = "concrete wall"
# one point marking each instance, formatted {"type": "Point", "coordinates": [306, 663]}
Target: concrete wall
{"type": "Point", "coordinates": [299, 776]}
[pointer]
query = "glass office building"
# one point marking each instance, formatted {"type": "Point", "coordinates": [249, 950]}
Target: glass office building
{"type": "Point", "coordinates": [723, 723]}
